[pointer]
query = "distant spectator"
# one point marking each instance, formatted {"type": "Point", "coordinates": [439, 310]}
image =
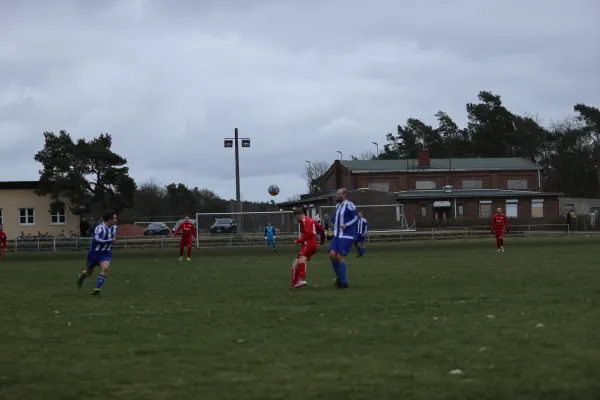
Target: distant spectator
{"type": "Point", "coordinates": [569, 221]}
{"type": "Point", "coordinates": [84, 227]}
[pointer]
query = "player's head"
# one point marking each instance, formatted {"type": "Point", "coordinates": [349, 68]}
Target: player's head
{"type": "Point", "coordinates": [359, 214]}
{"type": "Point", "coordinates": [299, 213]}
{"type": "Point", "coordinates": [268, 223]}
{"type": "Point", "coordinates": [186, 219]}
{"type": "Point", "coordinates": [499, 210]}
{"type": "Point", "coordinates": [110, 218]}
{"type": "Point", "coordinates": [341, 195]}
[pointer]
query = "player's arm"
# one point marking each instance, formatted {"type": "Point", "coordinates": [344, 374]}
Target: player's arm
{"type": "Point", "coordinates": [177, 230]}
{"type": "Point", "coordinates": [365, 228]}
{"type": "Point", "coordinates": [354, 215]}
{"type": "Point", "coordinates": [266, 232]}
{"type": "Point", "coordinates": [320, 231]}
{"type": "Point", "coordinates": [306, 228]}
{"type": "Point", "coordinates": [99, 233]}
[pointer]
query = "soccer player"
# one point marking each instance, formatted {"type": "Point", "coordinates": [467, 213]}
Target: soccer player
{"type": "Point", "coordinates": [361, 232]}
{"type": "Point", "coordinates": [188, 231]}
{"type": "Point", "coordinates": [100, 253]}
{"type": "Point", "coordinates": [308, 239]}
{"type": "Point", "coordinates": [270, 236]}
{"type": "Point", "coordinates": [499, 226]}
{"type": "Point", "coordinates": [3, 242]}
{"type": "Point", "coordinates": [344, 228]}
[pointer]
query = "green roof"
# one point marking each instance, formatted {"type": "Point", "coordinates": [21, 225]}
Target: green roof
{"type": "Point", "coordinates": [455, 164]}
{"type": "Point", "coordinates": [462, 193]}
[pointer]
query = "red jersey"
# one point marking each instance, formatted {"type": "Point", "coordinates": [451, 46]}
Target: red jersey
{"type": "Point", "coordinates": [187, 230]}
{"type": "Point", "coordinates": [3, 242]}
{"type": "Point", "coordinates": [499, 222]}
{"type": "Point", "coordinates": [309, 229]}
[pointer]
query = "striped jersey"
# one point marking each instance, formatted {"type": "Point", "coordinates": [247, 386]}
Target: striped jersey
{"type": "Point", "coordinates": [345, 213]}
{"type": "Point", "coordinates": [361, 226]}
{"type": "Point", "coordinates": [103, 239]}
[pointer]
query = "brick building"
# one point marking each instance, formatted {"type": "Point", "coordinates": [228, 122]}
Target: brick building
{"type": "Point", "coordinates": [440, 189]}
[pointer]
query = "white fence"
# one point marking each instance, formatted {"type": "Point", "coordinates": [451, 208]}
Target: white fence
{"type": "Point", "coordinates": [257, 240]}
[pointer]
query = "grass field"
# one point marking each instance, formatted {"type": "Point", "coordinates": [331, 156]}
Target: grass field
{"type": "Point", "coordinates": [524, 324]}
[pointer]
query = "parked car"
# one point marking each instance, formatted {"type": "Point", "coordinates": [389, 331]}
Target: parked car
{"type": "Point", "coordinates": [223, 225]}
{"type": "Point", "coordinates": [193, 221]}
{"type": "Point", "coordinates": [157, 229]}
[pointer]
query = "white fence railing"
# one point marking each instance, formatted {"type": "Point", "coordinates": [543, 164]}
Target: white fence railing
{"type": "Point", "coordinates": [254, 240]}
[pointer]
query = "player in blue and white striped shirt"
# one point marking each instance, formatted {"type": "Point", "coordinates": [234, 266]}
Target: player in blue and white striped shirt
{"type": "Point", "coordinates": [361, 232]}
{"type": "Point", "coordinates": [100, 253]}
{"type": "Point", "coordinates": [344, 228]}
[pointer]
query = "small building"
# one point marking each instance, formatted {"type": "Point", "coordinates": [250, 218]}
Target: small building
{"type": "Point", "coordinates": [23, 211]}
{"type": "Point", "coordinates": [470, 204]}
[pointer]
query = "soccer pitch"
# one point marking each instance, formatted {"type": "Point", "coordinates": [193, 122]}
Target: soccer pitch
{"type": "Point", "coordinates": [524, 324]}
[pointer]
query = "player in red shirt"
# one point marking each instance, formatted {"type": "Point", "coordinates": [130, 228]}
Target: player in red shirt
{"type": "Point", "coordinates": [188, 233]}
{"type": "Point", "coordinates": [308, 239]}
{"type": "Point", "coordinates": [499, 226]}
{"type": "Point", "coordinates": [3, 241]}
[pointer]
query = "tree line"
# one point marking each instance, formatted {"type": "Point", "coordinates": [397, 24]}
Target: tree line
{"type": "Point", "coordinates": [568, 150]}
{"type": "Point", "coordinates": [93, 178]}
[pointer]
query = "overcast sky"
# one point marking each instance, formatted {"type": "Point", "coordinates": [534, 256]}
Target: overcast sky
{"type": "Point", "coordinates": [169, 79]}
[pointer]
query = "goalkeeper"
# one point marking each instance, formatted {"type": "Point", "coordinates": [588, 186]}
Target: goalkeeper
{"type": "Point", "coordinates": [270, 236]}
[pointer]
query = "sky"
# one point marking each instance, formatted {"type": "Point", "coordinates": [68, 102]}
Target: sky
{"type": "Point", "coordinates": [303, 79]}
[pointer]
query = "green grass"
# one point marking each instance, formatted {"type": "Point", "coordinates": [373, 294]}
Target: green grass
{"type": "Point", "coordinates": [524, 324]}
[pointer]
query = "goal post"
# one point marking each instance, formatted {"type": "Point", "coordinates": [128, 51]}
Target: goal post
{"type": "Point", "coordinates": [380, 218]}
{"type": "Point", "coordinates": [244, 227]}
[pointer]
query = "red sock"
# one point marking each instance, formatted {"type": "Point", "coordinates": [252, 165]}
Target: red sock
{"type": "Point", "coordinates": [181, 252]}
{"type": "Point", "coordinates": [189, 251]}
{"type": "Point", "coordinates": [302, 271]}
{"type": "Point", "coordinates": [294, 276]}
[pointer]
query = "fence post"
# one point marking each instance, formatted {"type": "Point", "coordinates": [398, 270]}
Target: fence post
{"type": "Point", "coordinates": [54, 244]}
{"type": "Point", "coordinates": [466, 233]}
{"type": "Point", "coordinates": [162, 242]}
{"type": "Point", "coordinates": [431, 233]}
{"type": "Point", "coordinates": [125, 242]}
{"type": "Point", "coordinates": [16, 245]}
{"type": "Point", "coordinates": [76, 244]}
{"type": "Point", "coordinates": [38, 243]}
{"type": "Point", "coordinates": [568, 229]}
{"type": "Point", "coordinates": [529, 228]}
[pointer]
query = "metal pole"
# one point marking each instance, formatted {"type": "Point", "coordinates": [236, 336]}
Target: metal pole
{"type": "Point", "coordinates": [238, 196]}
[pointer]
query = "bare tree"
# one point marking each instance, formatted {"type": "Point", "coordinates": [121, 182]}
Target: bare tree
{"type": "Point", "coordinates": [151, 199]}
{"type": "Point", "coordinates": [365, 155]}
{"type": "Point", "coordinates": [293, 197]}
{"type": "Point", "coordinates": [313, 174]}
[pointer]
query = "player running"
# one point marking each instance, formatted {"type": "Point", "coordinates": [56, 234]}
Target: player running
{"type": "Point", "coordinates": [361, 232]}
{"type": "Point", "coordinates": [270, 236]}
{"type": "Point", "coordinates": [344, 228]}
{"type": "Point", "coordinates": [499, 226]}
{"type": "Point", "coordinates": [100, 253]}
{"type": "Point", "coordinates": [3, 242]}
{"type": "Point", "coordinates": [309, 229]}
{"type": "Point", "coordinates": [188, 231]}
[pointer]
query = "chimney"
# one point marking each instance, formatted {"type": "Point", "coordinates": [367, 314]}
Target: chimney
{"type": "Point", "coordinates": [424, 161]}
{"type": "Point", "coordinates": [338, 174]}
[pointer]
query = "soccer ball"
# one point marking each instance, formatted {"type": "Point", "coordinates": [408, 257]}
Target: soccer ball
{"type": "Point", "coordinates": [273, 190]}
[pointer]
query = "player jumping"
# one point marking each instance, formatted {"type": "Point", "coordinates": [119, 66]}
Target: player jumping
{"type": "Point", "coordinates": [188, 231]}
{"type": "Point", "coordinates": [270, 236]}
{"type": "Point", "coordinates": [499, 226]}
{"type": "Point", "coordinates": [309, 229]}
{"type": "Point", "coordinates": [3, 242]}
{"type": "Point", "coordinates": [361, 232]}
{"type": "Point", "coordinates": [344, 229]}
{"type": "Point", "coordinates": [100, 252]}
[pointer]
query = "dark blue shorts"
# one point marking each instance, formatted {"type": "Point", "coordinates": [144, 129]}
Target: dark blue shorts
{"type": "Point", "coordinates": [342, 246]}
{"type": "Point", "coordinates": [94, 259]}
{"type": "Point", "coordinates": [360, 237]}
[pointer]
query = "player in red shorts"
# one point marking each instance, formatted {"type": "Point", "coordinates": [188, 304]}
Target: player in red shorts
{"type": "Point", "coordinates": [308, 239]}
{"type": "Point", "coordinates": [499, 226]}
{"type": "Point", "coordinates": [3, 242]}
{"type": "Point", "coordinates": [188, 233]}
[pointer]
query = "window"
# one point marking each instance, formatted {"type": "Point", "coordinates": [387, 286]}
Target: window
{"type": "Point", "coordinates": [568, 207]}
{"type": "Point", "coordinates": [517, 184]}
{"type": "Point", "coordinates": [461, 211]}
{"type": "Point", "coordinates": [512, 208]}
{"type": "Point", "coordinates": [60, 217]}
{"type": "Point", "coordinates": [472, 184]}
{"type": "Point", "coordinates": [424, 185]}
{"type": "Point", "coordinates": [380, 186]}
{"type": "Point", "coordinates": [537, 208]}
{"type": "Point", "coordinates": [485, 209]}
{"type": "Point", "coordinates": [1, 217]}
{"type": "Point", "coordinates": [26, 216]}
{"type": "Point", "coordinates": [423, 211]}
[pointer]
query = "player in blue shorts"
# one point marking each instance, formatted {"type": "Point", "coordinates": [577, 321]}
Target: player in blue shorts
{"type": "Point", "coordinates": [361, 232]}
{"type": "Point", "coordinates": [270, 236]}
{"type": "Point", "coordinates": [344, 228]}
{"type": "Point", "coordinates": [100, 253]}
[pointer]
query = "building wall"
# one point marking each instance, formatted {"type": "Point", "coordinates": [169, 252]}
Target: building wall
{"type": "Point", "coordinates": [471, 208]}
{"type": "Point", "coordinates": [399, 181]}
{"type": "Point", "coordinates": [13, 200]}
{"type": "Point", "coordinates": [578, 205]}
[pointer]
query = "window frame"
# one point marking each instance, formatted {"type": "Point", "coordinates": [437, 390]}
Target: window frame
{"type": "Point", "coordinates": [27, 215]}
{"type": "Point", "coordinates": [517, 180]}
{"type": "Point", "coordinates": [423, 211]}
{"type": "Point", "coordinates": [511, 203]}
{"type": "Point", "coordinates": [57, 215]}
{"type": "Point", "coordinates": [538, 204]}
{"type": "Point", "coordinates": [431, 185]}
{"type": "Point", "coordinates": [380, 186]}
{"type": "Point", "coordinates": [460, 209]}
{"type": "Point", "coordinates": [487, 203]}
{"type": "Point", "coordinates": [474, 187]}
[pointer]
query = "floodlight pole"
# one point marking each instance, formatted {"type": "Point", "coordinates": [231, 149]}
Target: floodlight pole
{"type": "Point", "coordinates": [377, 147]}
{"type": "Point", "coordinates": [235, 143]}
